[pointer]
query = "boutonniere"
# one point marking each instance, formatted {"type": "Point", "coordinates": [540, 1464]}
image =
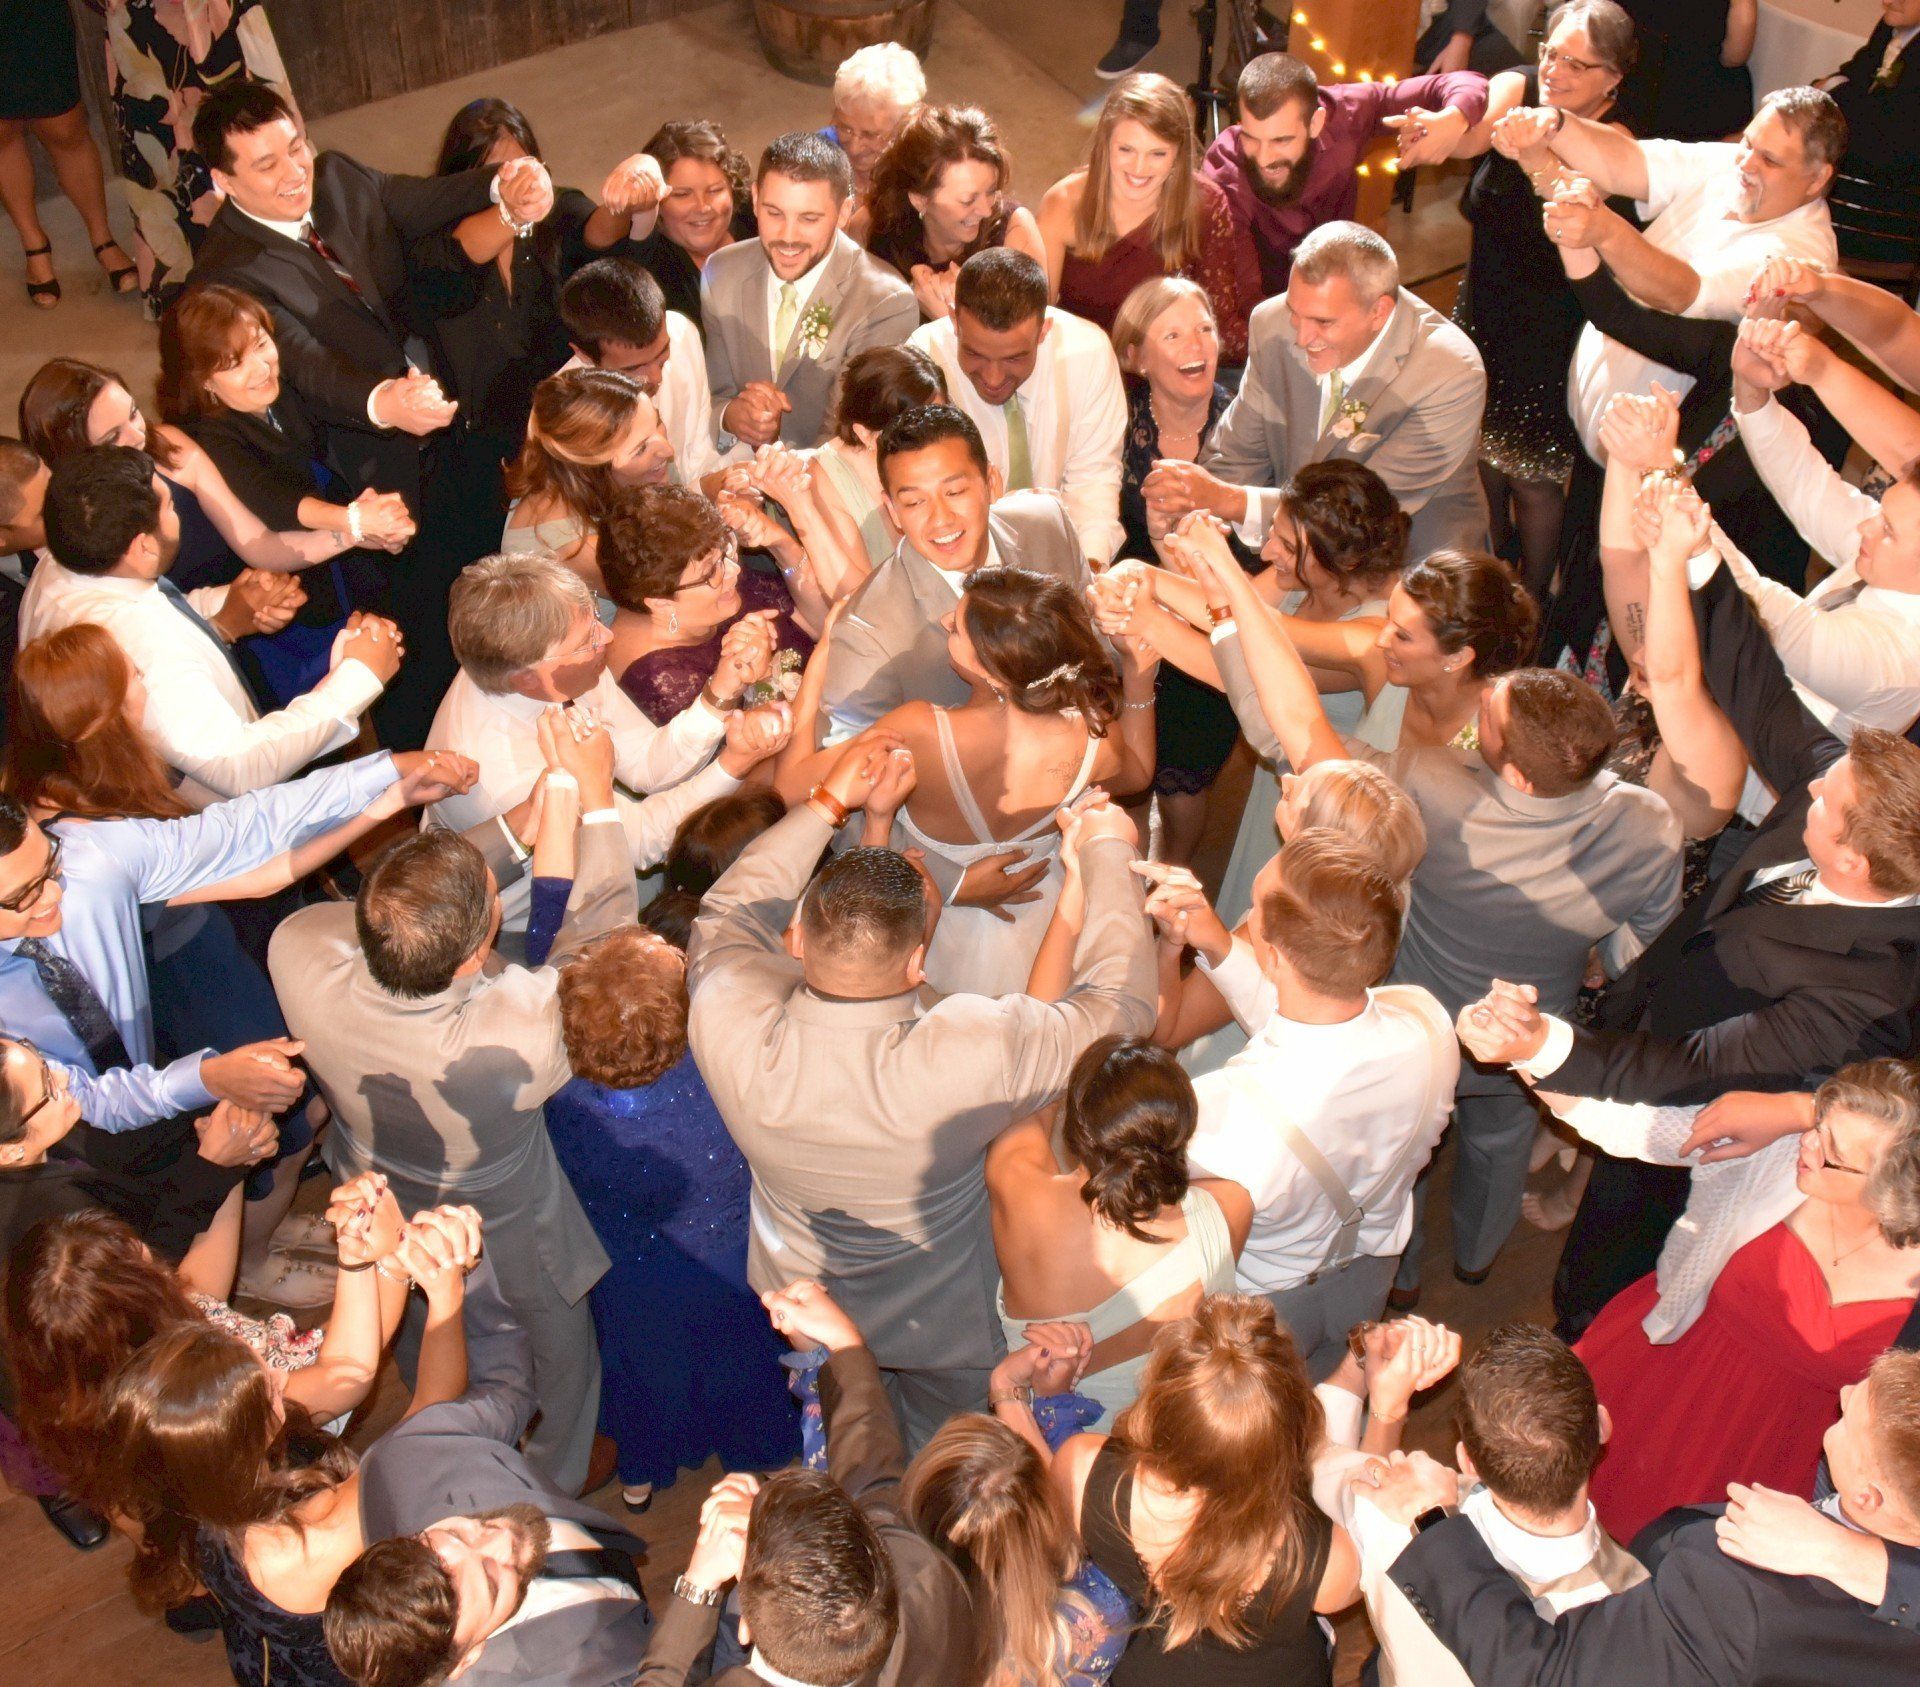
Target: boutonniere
{"type": "Point", "coordinates": [1349, 418]}
{"type": "Point", "coordinates": [782, 685]}
{"type": "Point", "coordinates": [815, 324]}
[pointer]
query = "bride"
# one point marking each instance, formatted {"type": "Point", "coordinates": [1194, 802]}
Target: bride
{"type": "Point", "coordinates": [1050, 715]}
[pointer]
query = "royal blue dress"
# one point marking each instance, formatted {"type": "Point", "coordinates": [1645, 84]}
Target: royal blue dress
{"type": "Point", "coordinates": [691, 1364]}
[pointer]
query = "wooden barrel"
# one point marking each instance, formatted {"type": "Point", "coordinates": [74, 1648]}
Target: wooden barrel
{"type": "Point", "coordinates": [807, 39]}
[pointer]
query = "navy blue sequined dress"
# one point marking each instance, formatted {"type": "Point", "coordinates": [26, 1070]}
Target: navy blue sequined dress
{"type": "Point", "coordinates": [691, 1364]}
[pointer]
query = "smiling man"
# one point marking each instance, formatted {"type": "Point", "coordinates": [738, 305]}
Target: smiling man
{"type": "Point", "coordinates": [1289, 164]}
{"type": "Point", "coordinates": [1041, 385]}
{"type": "Point", "coordinates": [1347, 363]}
{"type": "Point", "coordinates": [1719, 210]}
{"type": "Point", "coordinates": [784, 313]}
{"type": "Point", "coordinates": [889, 647]}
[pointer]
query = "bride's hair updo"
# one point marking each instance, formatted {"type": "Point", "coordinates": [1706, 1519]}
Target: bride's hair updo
{"type": "Point", "coordinates": [1036, 642]}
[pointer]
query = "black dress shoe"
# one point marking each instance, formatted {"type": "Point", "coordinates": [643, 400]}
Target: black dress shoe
{"type": "Point", "coordinates": [1123, 57]}
{"type": "Point", "coordinates": [1403, 1300]}
{"type": "Point", "coordinates": [85, 1528]}
{"type": "Point", "coordinates": [1473, 1279]}
{"type": "Point", "coordinates": [198, 1619]}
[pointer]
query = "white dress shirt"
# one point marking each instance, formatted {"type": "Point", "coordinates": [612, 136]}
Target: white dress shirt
{"type": "Point", "coordinates": [803, 290]}
{"type": "Point", "coordinates": [199, 717]}
{"type": "Point", "coordinates": [1372, 1093]}
{"type": "Point", "coordinates": [500, 731]}
{"type": "Point", "coordinates": [546, 1594]}
{"type": "Point", "coordinates": [1856, 663]}
{"type": "Point", "coordinates": [1075, 408]}
{"type": "Point", "coordinates": [1690, 194]}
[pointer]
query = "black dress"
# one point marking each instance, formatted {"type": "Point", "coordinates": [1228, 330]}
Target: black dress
{"type": "Point", "coordinates": [1678, 89]}
{"type": "Point", "coordinates": [41, 75]}
{"type": "Point", "coordinates": [1515, 306]}
{"type": "Point", "coordinates": [1194, 725]}
{"type": "Point", "coordinates": [1288, 1647]}
{"type": "Point", "coordinates": [266, 1646]}
{"type": "Point", "coordinates": [673, 266]}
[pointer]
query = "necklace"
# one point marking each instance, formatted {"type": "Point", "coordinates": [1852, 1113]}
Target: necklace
{"type": "Point", "coordinates": [1198, 415]}
{"type": "Point", "coordinates": [1833, 1236]}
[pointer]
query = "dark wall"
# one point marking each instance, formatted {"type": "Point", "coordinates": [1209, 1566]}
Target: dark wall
{"type": "Point", "coordinates": [342, 53]}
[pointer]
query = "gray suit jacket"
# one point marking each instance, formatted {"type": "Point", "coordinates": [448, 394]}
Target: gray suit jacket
{"type": "Point", "coordinates": [865, 1122]}
{"type": "Point", "coordinates": [458, 1458]}
{"type": "Point", "coordinates": [889, 647]}
{"type": "Point", "coordinates": [1424, 391]}
{"type": "Point", "coordinates": [869, 304]}
{"type": "Point", "coordinates": [444, 1094]}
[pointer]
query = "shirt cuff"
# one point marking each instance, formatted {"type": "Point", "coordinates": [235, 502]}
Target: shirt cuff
{"type": "Point", "coordinates": [352, 689]}
{"type": "Point", "coordinates": [1251, 529]}
{"type": "Point", "coordinates": [1553, 1052]}
{"type": "Point", "coordinates": [493, 188]}
{"type": "Point", "coordinates": [373, 398]}
{"type": "Point", "coordinates": [193, 1091]}
{"type": "Point", "coordinates": [1236, 972]}
{"type": "Point", "coordinates": [520, 850]}
{"type": "Point", "coordinates": [600, 817]}
{"type": "Point", "coordinates": [1700, 569]}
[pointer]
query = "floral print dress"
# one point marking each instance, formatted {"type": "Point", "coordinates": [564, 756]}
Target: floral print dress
{"type": "Point", "coordinates": [162, 58]}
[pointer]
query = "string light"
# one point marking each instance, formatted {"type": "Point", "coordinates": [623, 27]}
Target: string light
{"type": "Point", "coordinates": [1318, 44]}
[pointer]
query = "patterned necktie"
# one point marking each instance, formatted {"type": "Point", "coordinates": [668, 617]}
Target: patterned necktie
{"type": "Point", "coordinates": [1778, 893]}
{"type": "Point", "coordinates": [1336, 391]}
{"type": "Point", "coordinates": [79, 1004]}
{"type": "Point", "coordinates": [179, 600]}
{"type": "Point", "coordinates": [1019, 456]}
{"type": "Point", "coordinates": [785, 319]}
{"type": "Point", "coordinates": [328, 256]}
{"type": "Point", "coordinates": [579, 1564]}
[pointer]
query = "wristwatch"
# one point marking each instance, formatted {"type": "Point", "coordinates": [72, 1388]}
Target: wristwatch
{"type": "Point", "coordinates": [694, 1594]}
{"type": "Point", "coordinates": [1020, 1394]}
{"type": "Point", "coordinates": [1432, 1515]}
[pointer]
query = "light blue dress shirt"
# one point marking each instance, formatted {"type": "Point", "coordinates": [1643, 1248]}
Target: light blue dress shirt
{"type": "Point", "coordinates": [128, 1097]}
{"type": "Point", "coordinates": [110, 867]}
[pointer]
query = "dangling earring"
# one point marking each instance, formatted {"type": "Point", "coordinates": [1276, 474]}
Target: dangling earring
{"type": "Point", "coordinates": [673, 622]}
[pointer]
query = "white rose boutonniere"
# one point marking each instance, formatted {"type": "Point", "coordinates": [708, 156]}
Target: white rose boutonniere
{"type": "Point", "coordinates": [815, 324]}
{"type": "Point", "coordinates": [781, 685]}
{"type": "Point", "coordinates": [1349, 418]}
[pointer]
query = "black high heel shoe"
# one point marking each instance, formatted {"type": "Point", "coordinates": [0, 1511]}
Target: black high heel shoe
{"type": "Point", "coordinates": [123, 279]}
{"type": "Point", "coordinates": [45, 294]}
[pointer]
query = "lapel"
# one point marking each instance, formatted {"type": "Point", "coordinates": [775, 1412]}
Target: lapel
{"type": "Point", "coordinates": [843, 265]}
{"type": "Point", "coordinates": [1396, 346]}
{"type": "Point", "coordinates": [292, 257]}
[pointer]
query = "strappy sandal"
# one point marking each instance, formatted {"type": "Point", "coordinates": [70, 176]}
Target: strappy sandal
{"type": "Point", "coordinates": [45, 294]}
{"type": "Point", "coordinates": [122, 280]}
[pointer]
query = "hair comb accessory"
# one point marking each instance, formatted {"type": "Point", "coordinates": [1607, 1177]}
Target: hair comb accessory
{"type": "Point", "coordinates": [1066, 673]}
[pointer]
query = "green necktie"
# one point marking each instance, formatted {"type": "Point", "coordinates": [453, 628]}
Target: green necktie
{"type": "Point", "coordinates": [1336, 390]}
{"type": "Point", "coordinates": [1019, 458]}
{"type": "Point", "coordinates": [784, 321]}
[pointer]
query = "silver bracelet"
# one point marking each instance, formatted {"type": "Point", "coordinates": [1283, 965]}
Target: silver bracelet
{"type": "Point", "coordinates": [1148, 704]}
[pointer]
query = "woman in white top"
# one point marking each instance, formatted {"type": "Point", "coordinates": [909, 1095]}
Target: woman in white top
{"type": "Point", "coordinates": [592, 431]}
{"type": "Point", "coordinates": [1095, 1218]}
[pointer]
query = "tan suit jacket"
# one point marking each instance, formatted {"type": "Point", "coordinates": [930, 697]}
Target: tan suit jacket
{"type": "Point", "coordinates": [865, 1122]}
{"type": "Point", "coordinates": [444, 1094]}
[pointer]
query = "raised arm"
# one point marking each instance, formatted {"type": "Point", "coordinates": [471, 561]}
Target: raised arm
{"type": "Point", "coordinates": [1612, 161]}
{"type": "Point", "coordinates": [1871, 317]}
{"type": "Point", "coordinates": [1881, 424]}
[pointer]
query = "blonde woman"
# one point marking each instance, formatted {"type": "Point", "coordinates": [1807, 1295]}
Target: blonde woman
{"type": "Point", "coordinates": [1230, 1572]}
{"type": "Point", "coordinates": [1139, 209]}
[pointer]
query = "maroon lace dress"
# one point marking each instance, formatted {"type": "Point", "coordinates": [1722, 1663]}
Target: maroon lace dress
{"type": "Point", "coordinates": [663, 682]}
{"type": "Point", "coordinates": [1224, 264]}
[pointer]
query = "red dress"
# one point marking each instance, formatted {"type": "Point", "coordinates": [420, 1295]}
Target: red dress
{"type": "Point", "coordinates": [1746, 1395]}
{"type": "Point", "coordinates": [1225, 265]}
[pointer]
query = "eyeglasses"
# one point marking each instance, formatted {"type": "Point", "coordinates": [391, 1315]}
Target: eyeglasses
{"type": "Point", "coordinates": [729, 555]}
{"type": "Point", "coordinates": [46, 1087]}
{"type": "Point", "coordinates": [1551, 56]}
{"type": "Point", "coordinates": [1827, 1162]}
{"type": "Point", "coordinates": [28, 896]}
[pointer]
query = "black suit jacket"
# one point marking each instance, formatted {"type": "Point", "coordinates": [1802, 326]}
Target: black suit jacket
{"type": "Point", "coordinates": [1765, 998]}
{"type": "Point", "coordinates": [1883, 124]}
{"type": "Point", "coordinates": [1702, 1620]}
{"type": "Point", "coordinates": [336, 346]}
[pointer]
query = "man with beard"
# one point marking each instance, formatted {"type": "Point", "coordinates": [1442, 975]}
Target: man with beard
{"type": "Point", "coordinates": [1289, 164]}
{"type": "Point", "coordinates": [784, 313]}
{"type": "Point", "coordinates": [477, 1566]}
